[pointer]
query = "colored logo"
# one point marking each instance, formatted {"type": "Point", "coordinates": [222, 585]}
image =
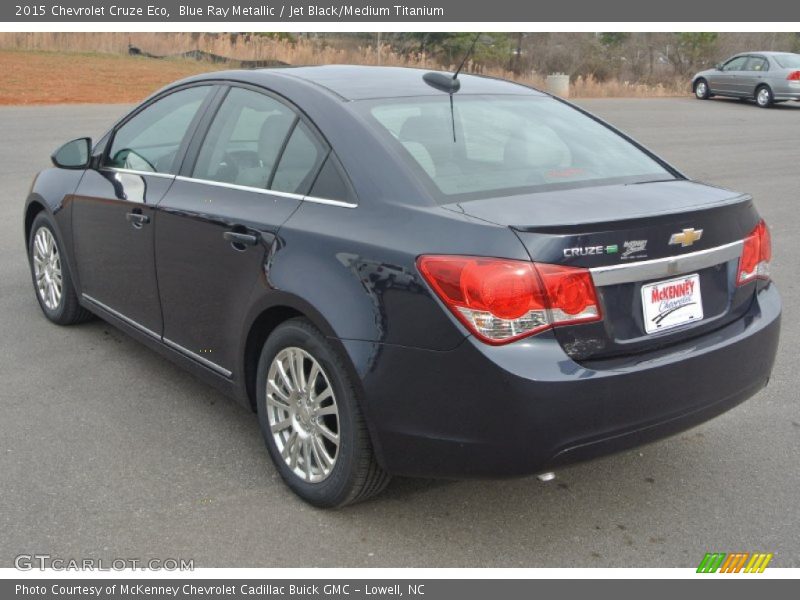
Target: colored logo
{"type": "Point", "coordinates": [735, 562]}
{"type": "Point", "coordinates": [687, 237]}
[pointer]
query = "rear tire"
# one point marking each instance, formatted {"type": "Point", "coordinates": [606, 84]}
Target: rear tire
{"type": "Point", "coordinates": [311, 421]}
{"type": "Point", "coordinates": [764, 96]}
{"type": "Point", "coordinates": [701, 90]}
{"type": "Point", "coordinates": [52, 280]}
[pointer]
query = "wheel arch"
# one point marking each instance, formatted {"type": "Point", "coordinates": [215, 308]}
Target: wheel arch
{"type": "Point", "coordinates": [265, 317]}
{"type": "Point", "coordinates": [763, 84]}
{"type": "Point", "coordinates": [34, 206]}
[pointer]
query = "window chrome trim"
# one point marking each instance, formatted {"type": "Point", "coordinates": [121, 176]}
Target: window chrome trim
{"type": "Point", "coordinates": [121, 317]}
{"type": "Point", "coordinates": [665, 267]}
{"type": "Point", "coordinates": [329, 202]}
{"type": "Point", "coordinates": [247, 188]}
{"type": "Point", "coordinates": [135, 172]}
{"type": "Point", "coordinates": [202, 360]}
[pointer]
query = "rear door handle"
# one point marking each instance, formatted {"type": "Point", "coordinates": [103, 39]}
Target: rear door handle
{"type": "Point", "coordinates": [137, 219]}
{"type": "Point", "coordinates": [239, 240]}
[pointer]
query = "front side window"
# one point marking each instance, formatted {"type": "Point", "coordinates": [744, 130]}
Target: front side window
{"type": "Point", "coordinates": [150, 140]}
{"type": "Point", "coordinates": [245, 140]}
{"type": "Point", "coordinates": [735, 64]}
{"type": "Point", "coordinates": [502, 145]}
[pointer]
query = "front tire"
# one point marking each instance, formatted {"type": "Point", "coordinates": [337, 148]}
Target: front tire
{"type": "Point", "coordinates": [701, 90]}
{"type": "Point", "coordinates": [52, 280]}
{"type": "Point", "coordinates": [764, 97]}
{"type": "Point", "coordinates": [311, 420]}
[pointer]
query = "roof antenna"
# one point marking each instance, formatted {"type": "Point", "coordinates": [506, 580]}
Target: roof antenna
{"type": "Point", "coordinates": [450, 85]}
{"type": "Point", "coordinates": [466, 56]}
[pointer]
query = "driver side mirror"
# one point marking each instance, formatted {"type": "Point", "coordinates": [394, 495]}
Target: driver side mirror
{"type": "Point", "coordinates": [73, 155]}
{"type": "Point", "coordinates": [718, 66]}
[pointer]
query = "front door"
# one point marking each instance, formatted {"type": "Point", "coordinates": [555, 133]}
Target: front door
{"type": "Point", "coordinates": [216, 225]}
{"type": "Point", "coordinates": [113, 208]}
{"type": "Point", "coordinates": [725, 81]}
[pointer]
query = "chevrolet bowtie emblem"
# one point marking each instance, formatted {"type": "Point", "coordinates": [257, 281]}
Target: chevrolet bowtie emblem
{"type": "Point", "coordinates": [687, 237]}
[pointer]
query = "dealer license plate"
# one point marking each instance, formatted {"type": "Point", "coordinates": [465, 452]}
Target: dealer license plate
{"type": "Point", "coordinates": [672, 303]}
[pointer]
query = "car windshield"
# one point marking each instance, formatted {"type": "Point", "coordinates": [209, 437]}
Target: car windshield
{"type": "Point", "coordinates": [504, 145]}
{"type": "Point", "coordinates": [788, 61]}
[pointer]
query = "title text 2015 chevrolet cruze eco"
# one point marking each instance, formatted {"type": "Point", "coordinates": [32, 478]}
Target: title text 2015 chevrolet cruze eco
{"type": "Point", "coordinates": [403, 277]}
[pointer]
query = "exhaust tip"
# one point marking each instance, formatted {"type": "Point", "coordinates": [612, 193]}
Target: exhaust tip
{"type": "Point", "coordinates": [549, 476]}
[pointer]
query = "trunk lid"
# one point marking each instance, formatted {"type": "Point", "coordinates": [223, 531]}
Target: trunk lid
{"type": "Point", "coordinates": [623, 234]}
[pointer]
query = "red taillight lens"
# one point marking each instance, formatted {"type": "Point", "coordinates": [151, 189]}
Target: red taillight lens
{"type": "Point", "coordinates": [756, 254]}
{"type": "Point", "coordinates": [503, 300]}
{"type": "Point", "coordinates": [793, 76]}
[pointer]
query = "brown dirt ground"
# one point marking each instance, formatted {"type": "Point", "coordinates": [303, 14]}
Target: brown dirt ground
{"type": "Point", "coordinates": [53, 78]}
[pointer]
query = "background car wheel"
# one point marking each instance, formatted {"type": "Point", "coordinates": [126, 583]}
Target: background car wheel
{"type": "Point", "coordinates": [764, 97]}
{"type": "Point", "coordinates": [701, 89]}
{"type": "Point", "coordinates": [311, 421]}
{"type": "Point", "coordinates": [52, 281]}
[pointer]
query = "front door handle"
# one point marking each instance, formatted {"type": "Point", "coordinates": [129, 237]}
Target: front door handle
{"type": "Point", "coordinates": [137, 219]}
{"type": "Point", "coordinates": [239, 240]}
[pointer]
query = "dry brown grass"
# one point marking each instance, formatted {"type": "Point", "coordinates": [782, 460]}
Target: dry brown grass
{"type": "Point", "coordinates": [52, 78]}
{"type": "Point", "coordinates": [95, 67]}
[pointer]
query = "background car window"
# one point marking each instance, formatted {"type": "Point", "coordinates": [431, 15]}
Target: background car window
{"type": "Point", "coordinates": [735, 64]}
{"type": "Point", "coordinates": [788, 61]}
{"type": "Point", "coordinates": [245, 139]}
{"type": "Point", "coordinates": [507, 144]}
{"type": "Point", "coordinates": [299, 162]}
{"type": "Point", "coordinates": [150, 140]}
{"type": "Point", "coordinates": [756, 63]}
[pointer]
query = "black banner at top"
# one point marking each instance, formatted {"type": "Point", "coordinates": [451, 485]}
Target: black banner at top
{"type": "Point", "coordinates": [488, 11]}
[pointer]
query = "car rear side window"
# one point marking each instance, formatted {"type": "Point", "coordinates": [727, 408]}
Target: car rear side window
{"type": "Point", "coordinates": [245, 140]}
{"type": "Point", "coordinates": [150, 140]}
{"type": "Point", "coordinates": [299, 162]}
{"type": "Point", "coordinates": [331, 183]}
{"type": "Point", "coordinates": [757, 63]}
{"type": "Point", "coordinates": [502, 145]}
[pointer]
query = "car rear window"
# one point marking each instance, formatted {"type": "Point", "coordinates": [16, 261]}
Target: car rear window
{"type": "Point", "coordinates": [788, 61]}
{"type": "Point", "coordinates": [502, 145]}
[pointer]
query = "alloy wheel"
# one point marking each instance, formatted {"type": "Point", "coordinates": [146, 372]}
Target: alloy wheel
{"type": "Point", "coordinates": [700, 90]}
{"type": "Point", "coordinates": [763, 97]}
{"type": "Point", "coordinates": [302, 414]}
{"type": "Point", "coordinates": [47, 268]}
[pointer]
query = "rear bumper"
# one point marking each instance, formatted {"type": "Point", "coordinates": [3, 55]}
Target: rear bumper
{"type": "Point", "coordinates": [485, 411]}
{"type": "Point", "coordinates": [787, 91]}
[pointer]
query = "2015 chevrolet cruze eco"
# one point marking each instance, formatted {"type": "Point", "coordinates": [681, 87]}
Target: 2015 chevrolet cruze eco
{"type": "Point", "coordinates": [402, 278]}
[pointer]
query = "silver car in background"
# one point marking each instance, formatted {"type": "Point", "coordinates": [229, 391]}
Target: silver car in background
{"type": "Point", "coordinates": [766, 77]}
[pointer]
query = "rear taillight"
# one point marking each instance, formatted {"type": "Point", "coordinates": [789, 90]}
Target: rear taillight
{"type": "Point", "coordinates": [503, 300]}
{"type": "Point", "coordinates": [793, 76]}
{"type": "Point", "coordinates": [756, 254]}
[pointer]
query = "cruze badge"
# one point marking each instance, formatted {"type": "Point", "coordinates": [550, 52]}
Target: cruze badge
{"type": "Point", "coordinates": [687, 237]}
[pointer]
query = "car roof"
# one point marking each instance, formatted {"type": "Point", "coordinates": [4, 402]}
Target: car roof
{"type": "Point", "coordinates": [764, 53]}
{"type": "Point", "coordinates": [356, 82]}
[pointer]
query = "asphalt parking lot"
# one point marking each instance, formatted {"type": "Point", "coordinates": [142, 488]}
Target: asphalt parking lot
{"type": "Point", "coordinates": [109, 451]}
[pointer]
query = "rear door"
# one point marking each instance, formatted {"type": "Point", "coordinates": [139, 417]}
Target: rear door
{"type": "Point", "coordinates": [113, 207]}
{"type": "Point", "coordinates": [243, 177]}
{"type": "Point", "coordinates": [752, 75]}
